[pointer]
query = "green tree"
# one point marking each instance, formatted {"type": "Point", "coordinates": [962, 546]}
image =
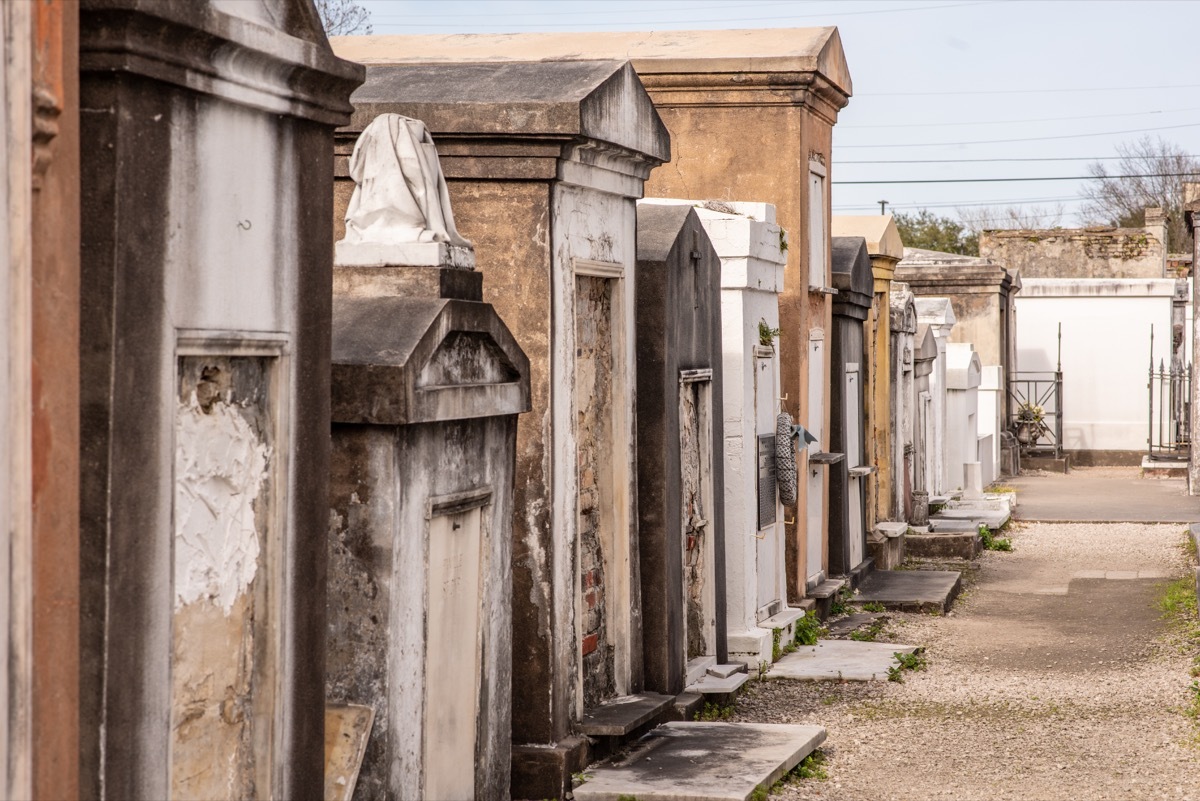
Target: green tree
{"type": "Point", "coordinates": [924, 229]}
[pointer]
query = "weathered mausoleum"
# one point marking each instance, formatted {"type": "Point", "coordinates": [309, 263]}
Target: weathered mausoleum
{"type": "Point", "coordinates": [544, 163]}
{"type": "Point", "coordinates": [427, 386]}
{"type": "Point", "coordinates": [680, 425]}
{"type": "Point", "coordinates": [204, 394]}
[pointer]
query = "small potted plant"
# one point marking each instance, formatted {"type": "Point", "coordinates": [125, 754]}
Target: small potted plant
{"type": "Point", "coordinates": [1029, 422]}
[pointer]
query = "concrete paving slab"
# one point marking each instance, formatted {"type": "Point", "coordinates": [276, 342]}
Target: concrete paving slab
{"type": "Point", "coordinates": [840, 660]}
{"type": "Point", "coordinates": [995, 518]}
{"type": "Point", "coordinates": [843, 626]}
{"type": "Point", "coordinates": [703, 762]}
{"type": "Point", "coordinates": [952, 525]}
{"type": "Point", "coordinates": [1105, 495]}
{"type": "Point", "coordinates": [910, 590]}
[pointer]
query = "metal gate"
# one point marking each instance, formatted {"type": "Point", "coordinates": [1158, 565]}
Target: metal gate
{"type": "Point", "coordinates": [1170, 435]}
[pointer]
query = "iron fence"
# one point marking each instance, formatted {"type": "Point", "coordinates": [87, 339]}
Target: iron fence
{"type": "Point", "coordinates": [1170, 436]}
{"type": "Point", "coordinates": [1035, 412]}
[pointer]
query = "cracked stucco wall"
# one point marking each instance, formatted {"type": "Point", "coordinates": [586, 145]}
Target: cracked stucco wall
{"type": "Point", "coordinates": [222, 467]}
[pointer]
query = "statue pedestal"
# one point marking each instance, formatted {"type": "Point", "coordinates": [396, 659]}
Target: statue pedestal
{"type": "Point", "coordinates": [413, 254]}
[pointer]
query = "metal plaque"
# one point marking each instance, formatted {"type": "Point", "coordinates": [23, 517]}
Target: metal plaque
{"type": "Point", "coordinates": [766, 480]}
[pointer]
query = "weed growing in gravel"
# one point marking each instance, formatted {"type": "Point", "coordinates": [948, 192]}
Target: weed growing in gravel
{"type": "Point", "coordinates": [715, 712]}
{"type": "Point", "coordinates": [914, 662]}
{"type": "Point", "coordinates": [838, 605]}
{"type": "Point", "coordinates": [808, 630]}
{"type": "Point", "coordinates": [870, 633]}
{"type": "Point", "coordinates": [874, 606]}
{"type": "Point", "coordinates": [811, 767]}
{"type": "Point", "coordinates": [992, 542]}
{"type": "Point", "coordinates": [1177, 602]}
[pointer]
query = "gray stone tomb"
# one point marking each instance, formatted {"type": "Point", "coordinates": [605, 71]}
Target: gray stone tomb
{"type": "Point", "coordinates": [427, 386]}
{"type": "Point", "coordinates": [205, 309]}
{"type": "Point", "coordinates": [681, 520]}
{"type": "Point", "coordinates": [847, 498]}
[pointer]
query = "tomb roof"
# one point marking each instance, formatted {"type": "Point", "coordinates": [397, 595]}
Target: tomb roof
{"type": "Point", "coordinates": [601, 100]}
{"type": "Point", "coordinates": [764, 50]}
{"type": "Point", "coordinates": [851, 273]}
{"type": "Point", "coordinates": [883, 238]}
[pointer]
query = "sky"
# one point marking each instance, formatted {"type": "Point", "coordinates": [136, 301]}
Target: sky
{"type": "Point", "coordinates": [992, 84]}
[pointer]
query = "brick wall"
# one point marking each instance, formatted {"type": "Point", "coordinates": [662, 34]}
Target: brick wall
{"type": "Point", "coordinates": [594, 405]}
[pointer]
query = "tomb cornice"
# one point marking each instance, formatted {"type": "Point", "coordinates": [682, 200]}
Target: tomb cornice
{"type": "Point", "coordinates": [809, 90]}
{"type": "Point", "coordinates": [210, 52]}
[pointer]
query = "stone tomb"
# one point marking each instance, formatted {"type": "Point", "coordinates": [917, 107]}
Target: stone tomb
{"type": "Point", "coordinates": [963, 444]}
{"type": "Point", "coordinates": [904, 407]}
{"type": "Point", "coordinates": [924, 421]}
{"type": "Point", "coordinates": [938, 315]}
{"type": "Point", "coordinates": [544, 163]}
{"type": "Point", "coordinates": [681, 494]}
{"type": "Point", "coordinates": [752, 250]}
{"type": "Point", "coordinates": [885, 249]}
{"type": "Point", "coordinates": [751, 114]}
{"type": "Point", "coordinates": [984, 295]}
{"type": "Point", "coordinates": [427, 386]}
{"type": "Point", "coordinates": [847, 482]}
{"type": "Point", "coordinates": [204, 394]}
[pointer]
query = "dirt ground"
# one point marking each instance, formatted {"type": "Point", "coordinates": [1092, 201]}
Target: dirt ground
{"type": "Point", "coordinates": [1054, 677]}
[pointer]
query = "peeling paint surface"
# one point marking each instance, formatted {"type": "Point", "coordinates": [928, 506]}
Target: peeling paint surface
{"type": "Point", "coordinates": [220, 467]}
{"type": "Point", "coordinates": [222, 461]}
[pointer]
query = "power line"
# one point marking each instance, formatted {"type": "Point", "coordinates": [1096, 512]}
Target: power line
{"type": "Point", "coordinates": [1030, 91]}
{"type": "Point", "coordinates": [988, 160]}
{"type": "Point", "coordinates": [1015, 122]}
{"type": "Point", "coordinates": [1033, 138]}
{"type": "Point", "coordinates": [970, 204]}
{"type": "Point", "coordinates": [575, 13]}
{"type": "Point", "coordinates": [1018, 180]}
{"type": "Point", "coordinates": [735, 20]}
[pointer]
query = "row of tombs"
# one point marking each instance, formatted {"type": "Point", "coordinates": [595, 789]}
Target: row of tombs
{"type": "Point", "coordinates": [540, 460]}
{"type": "Point", "coordinates": [633, 396]}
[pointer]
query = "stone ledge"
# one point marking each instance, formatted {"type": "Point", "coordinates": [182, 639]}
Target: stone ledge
{"type": "Point", "coordinates": [620, 716]}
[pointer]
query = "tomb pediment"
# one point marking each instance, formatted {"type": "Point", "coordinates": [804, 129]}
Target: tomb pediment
{"type": "Point", "coordinates": [963, 369]}
{"type": "Point", "coordinates": [400, 360]}
{"type": "Point", "coordinates": [852, 277]}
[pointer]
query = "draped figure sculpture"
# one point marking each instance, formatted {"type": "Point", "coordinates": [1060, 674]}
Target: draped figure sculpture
{"type": "Point", "coordinates": [400, 195]}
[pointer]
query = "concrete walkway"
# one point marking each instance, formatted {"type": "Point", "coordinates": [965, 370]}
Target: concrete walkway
{"type": "Point", "coordinates": [1055, 679]}
{"type": "Point", "coordinates": [1104, 495]}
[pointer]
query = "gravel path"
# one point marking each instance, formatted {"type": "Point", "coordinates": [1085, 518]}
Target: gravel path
{"type": "Point", "coordinates": [1053, 678]}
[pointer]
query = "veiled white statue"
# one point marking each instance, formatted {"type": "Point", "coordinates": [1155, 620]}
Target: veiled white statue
{"type": "Point", "coordinates": [400, 196]}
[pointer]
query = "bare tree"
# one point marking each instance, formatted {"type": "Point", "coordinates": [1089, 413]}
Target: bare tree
{"type": "Point", "coordinates": [984, 218]}
{"type": "Point", "coordinates": [343, 17]}
{"type": "Point", "coordinates": [1122, 201]}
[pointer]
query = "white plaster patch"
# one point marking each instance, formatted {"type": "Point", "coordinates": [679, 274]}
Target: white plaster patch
{"type": "Point", "coordinates": [220, 467]}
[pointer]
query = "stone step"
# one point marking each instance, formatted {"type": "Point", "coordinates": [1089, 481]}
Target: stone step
{"type": "Point", "coordinates": [620, 716]}
{"type": "Point", "coordinates": [711, 761]}
{"type": "Point", "coordinates": [964, 545]}
{"type": "Point", "coordinates": [719, 685]}
{"type": "Point", "coordinates": [840, 660]}
{"type": "Point", "coordinates": [910, 590]}
{"type": "Point", "coordinates": [698, 667]}
{"type": "Point", "coordinates": [994, 518]}
{"type": "Point", "coordinates": [726, 670]}
{"type": "Point", "coordinates": [826, 589]}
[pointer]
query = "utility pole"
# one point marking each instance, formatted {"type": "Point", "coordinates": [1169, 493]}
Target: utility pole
{"type": "Point", "coordinates": [882, 207]}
